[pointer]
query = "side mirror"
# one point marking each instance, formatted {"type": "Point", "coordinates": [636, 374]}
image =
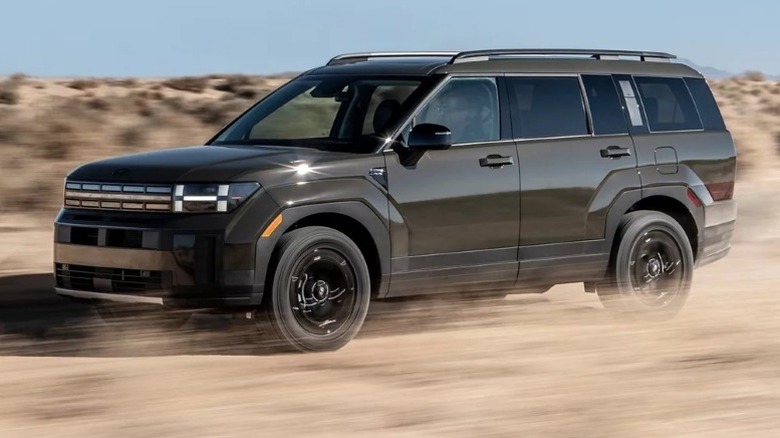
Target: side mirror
{"type": "Point", "coordinates": [427, 136]}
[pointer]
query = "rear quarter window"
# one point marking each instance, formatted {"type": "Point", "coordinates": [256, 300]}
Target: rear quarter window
{"type": "Point", "coordinates": [705, 102]}
{"type": "Point", "coordinates": [668, 104]}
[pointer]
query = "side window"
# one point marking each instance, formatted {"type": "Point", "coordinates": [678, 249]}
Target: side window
{"type": "Point", "coordinates": [605, 107]}
{"type": "Point", "coordinates": [468, 107]}
{"type": "Point", "coordinates": [547, 107]}
{"type": "Point", "coordinates": [705, 102]}
{"type": "Point", "coordinates": [668, 104]}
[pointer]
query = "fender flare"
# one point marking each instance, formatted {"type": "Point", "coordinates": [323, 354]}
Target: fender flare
{"type": "Point", "coordinates": [264, 250]}
{"type": "Point", "coordinates": [629, 198]}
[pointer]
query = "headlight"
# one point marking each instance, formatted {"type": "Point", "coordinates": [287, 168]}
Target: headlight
{"type": "Point", "coordinates": [211, 198]}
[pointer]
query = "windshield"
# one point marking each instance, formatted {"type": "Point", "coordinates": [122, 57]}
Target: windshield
{"type": "Point", "coordinates": [343, 113]}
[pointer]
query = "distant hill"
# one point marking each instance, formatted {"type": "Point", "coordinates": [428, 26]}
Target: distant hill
{"type": "Point", "coordinates": [716, 73]}
{"type": "Point", "coordinates": [708, 72]}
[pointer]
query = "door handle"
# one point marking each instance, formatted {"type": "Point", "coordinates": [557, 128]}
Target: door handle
{"type": "Point", "coordinates": [615, 152]}
{"type": "Point", "coordinates": [496, 161]}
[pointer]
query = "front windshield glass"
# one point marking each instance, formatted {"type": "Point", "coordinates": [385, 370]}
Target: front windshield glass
{"type": "Point", "coordinates": [343, 113]}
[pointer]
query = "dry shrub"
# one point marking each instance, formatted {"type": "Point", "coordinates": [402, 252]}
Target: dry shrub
{"type": "Point", "coordinates": [756, 91]}
{"type": "Point", "coordinates": [84, 84]}
{"type": "Point", "coordinates": [141, 94]}
{"type": "Point", "coordinates": [8, 96]}
{"type": "Point", "coordinates": [98, 104]}
{"type": "Point", "coordinates": [19, 78]}
{"type": "Point", "coordinates": [216, 114]}
{"type": "Point", "coordinates": [143, 108]}
{"type": "Point", "coordinates": [124, 83]}
{"type": "Point", "coordinates": [773, 109]}
{"type": "Point", "coordinates": [148, 94]}
{"type": "Point", "coordinates": [9, 129]}
{"type": "Point", "coordinates": [176, 104]}
{"type": "Point", "coordinates": [754, 76]}
{"type": "Point", "coordinates": [47, 190]}
{"type": "Point", "coordinates": [777, 141]}
{"type": "Point", "coordinates": [737, 81]}
{"type": "Point", "coordinates": [9, 91]}
{"type": "Point", "coordinates": [132, 137]}
{"type": "Point", "coordinates": [191, 84]}
{"type": "Point", "coordinates": [232, 84]}
{"type": "Point", "coordinates": [55, 140]}
{"type": "Point", "coordinates": [247, 93]}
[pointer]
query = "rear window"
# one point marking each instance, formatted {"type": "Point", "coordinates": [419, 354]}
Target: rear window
{"type": "Point", "coordinates": [547, 107]}
{"type": "Point", "coordinates": [605, 108]}
{"type": "Point", "coordinates": [668, 104]}
{"type": "Point", "coordinates": [705, 102]}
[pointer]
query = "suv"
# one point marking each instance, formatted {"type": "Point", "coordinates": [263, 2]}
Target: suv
{"type": "Point", "coordinates": [383, 175]}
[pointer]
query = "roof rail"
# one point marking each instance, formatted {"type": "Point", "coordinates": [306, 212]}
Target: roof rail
{"type": "Point", "coordinates": [480, 55]}
{"type": "Point", "coordinates": [364, 56]}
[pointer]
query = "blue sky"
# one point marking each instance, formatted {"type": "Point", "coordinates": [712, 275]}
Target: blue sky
{"type": "Point", "coordinates": [180, 37]}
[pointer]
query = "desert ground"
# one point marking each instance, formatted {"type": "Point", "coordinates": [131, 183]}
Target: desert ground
{"type": "Point", "coordinates": [554, 365]}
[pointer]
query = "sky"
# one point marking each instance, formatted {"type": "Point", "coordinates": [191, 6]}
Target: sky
{"type": "Point", "coordinates": [191, 37]}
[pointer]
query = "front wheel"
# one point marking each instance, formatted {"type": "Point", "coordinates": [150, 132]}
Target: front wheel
{"type": "Point", "coordinates": [320, 292]}
{"type": "Point", "coordinates": [651, 271]}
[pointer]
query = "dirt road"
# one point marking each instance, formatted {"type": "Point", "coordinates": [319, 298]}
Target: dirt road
{"type": "Point", "coordinates": [550, 365]}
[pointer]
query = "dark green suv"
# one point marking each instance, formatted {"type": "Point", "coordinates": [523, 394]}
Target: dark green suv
{"type": "Point", "coordinates": [392, 174]}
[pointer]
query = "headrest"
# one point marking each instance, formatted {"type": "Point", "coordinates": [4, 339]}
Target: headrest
{"type": "Point", "coordinates": [384, 113]}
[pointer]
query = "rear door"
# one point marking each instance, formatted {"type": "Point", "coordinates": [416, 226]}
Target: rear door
{"type": "Point", "coordinates": [573, 164]}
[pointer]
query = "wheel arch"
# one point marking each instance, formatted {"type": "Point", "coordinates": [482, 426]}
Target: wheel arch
{"type": "Point", "coordinates": [352, 218]}
{"type": "Point", "coordinates": [674, 201]}
{"type": "Point", "coordinates": [677, 210]}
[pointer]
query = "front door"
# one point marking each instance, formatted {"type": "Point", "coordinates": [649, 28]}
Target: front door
{"type": "Point", "coordinates": [458, 210]}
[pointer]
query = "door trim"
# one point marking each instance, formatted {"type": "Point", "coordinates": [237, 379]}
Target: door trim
{"type": "Point", "coordinates": [458, 259]}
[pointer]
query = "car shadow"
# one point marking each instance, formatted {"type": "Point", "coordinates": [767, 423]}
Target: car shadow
{"type": "Point", "coordinates": [34, 321]}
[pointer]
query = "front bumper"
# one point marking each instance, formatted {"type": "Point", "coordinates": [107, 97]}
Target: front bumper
{"type": "Point", "coordinates": [177, 260]}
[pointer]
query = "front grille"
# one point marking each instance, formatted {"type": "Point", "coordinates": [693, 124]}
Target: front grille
{"type": "Point", "coordinates": [117, 280]}
{"type": "Point", "coordinates": [117, 196]}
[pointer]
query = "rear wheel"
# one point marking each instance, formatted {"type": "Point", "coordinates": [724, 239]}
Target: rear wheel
{"type": "Point", "coordinates": [320, 293]}
{"type": "Point", "coordinates": [651, 271]}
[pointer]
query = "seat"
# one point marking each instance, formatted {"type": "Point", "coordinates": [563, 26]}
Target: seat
{"type": "Point", "coordinates": [385, 112]}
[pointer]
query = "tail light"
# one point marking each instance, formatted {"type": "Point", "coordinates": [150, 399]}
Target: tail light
{"type": "Point", "coordinates": [721, 191]}
{"type": "Point", "coordinates": [695, 199]}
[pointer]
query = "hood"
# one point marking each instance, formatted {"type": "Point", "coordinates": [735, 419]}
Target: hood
{"type": "Point", "coordinates": [194, 164]}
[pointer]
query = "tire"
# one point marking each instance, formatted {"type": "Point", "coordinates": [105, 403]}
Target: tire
{"type": "Point", "coordinates": [120, 315]}
{"type": "Point", "coordinates": [320, 293]}
{"type": "Point", "coordinates": [651, 269]}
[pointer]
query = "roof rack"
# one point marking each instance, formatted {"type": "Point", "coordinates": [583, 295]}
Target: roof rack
{"type": "Point", "coordinates": [365, 56]}
{"type": "Point", "coordinates": [481, 55]}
